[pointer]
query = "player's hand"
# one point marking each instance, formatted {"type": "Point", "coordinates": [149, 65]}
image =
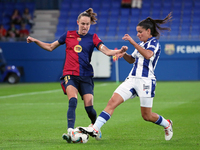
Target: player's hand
{"type": "Point", "coordinates": [122, 52]}
{"type": "Point", "coordinates": [127, 38]}
{"type": "Point", "coordinates": [30, 39]}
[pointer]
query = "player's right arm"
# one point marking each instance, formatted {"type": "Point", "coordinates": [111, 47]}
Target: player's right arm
{"type": "Point", "coordinates": [46, 46]}
{"type": "Point", "coordinates": [128, 58]}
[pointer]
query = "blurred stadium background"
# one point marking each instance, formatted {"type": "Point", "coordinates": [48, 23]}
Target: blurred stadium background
{"type": "Point", "coordinates": [180, 58]}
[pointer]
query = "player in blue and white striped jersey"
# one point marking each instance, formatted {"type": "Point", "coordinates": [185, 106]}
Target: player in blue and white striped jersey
{"type": "Point", "coordinates": [141, 80]}
{"type": "Point", "coordinates": [144, 67]}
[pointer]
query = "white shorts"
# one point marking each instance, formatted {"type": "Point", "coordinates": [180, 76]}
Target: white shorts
{"type": "Point", "coordinates": [142, 87]}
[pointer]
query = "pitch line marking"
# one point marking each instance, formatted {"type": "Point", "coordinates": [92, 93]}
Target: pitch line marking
{"type": "Point", "coordinates": [42, 92]}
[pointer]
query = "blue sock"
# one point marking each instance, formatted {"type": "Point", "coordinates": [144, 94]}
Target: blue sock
{"type": "Point", "coordinates": [91, 113]}
{"type": "Point", "coordinates": [71, 112]}
{"type": "Point", "coordinates": [101, 120]}
{"type": "Point", "coordinates": [162, 122]}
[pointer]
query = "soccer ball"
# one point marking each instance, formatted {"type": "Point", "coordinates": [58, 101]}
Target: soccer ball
{"type": "Point", "coordinates": [79, 137]}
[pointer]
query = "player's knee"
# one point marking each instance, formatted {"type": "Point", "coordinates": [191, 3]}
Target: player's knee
{"type": "Point", "coordinates": [146, 117]}
{"type": "Point", "coordinates": [73, 102]}
{"type": "Point", "coordinates": [89, 109]}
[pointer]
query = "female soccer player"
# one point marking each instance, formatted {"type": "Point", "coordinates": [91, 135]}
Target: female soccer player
{"type": "Point", "coordinates": [77, 71]}
{"type": "Point", "coordinates": [141, 80]}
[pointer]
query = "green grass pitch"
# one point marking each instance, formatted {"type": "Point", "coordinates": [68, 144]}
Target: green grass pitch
{"type": "Point", "coordinates": [33, 117]}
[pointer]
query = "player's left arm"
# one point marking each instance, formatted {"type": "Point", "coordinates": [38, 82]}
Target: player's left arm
{"type": "Point", "coordinates": [110, 52]}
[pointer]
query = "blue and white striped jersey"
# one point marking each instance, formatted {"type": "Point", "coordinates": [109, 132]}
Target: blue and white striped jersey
{"type": "Point", "coordinates": [143, 67]}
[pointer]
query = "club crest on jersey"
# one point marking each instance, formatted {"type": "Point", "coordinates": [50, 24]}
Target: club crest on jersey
{"type": "Point", "coordinates": [77, 48]}
{"type": "Point", "coordinates": [78, 39]}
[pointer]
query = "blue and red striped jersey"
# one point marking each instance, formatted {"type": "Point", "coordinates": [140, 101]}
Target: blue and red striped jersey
{"type": "Point", "coordinates": [79, 50]}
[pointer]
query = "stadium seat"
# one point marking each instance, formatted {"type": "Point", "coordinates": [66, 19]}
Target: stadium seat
{"type": "Point", "coordinates": [188, 5]}
{"type": "Point", "coordinates": [165, 13]}
{"type": "Point", "coordinates": [125, 11]}
{"type": "Point", "coordinates": [113, 20]}
{"type": "Point", "coordinates": [85, 6]}
{"type": "Point", "coordinates": [20, 7]}
{"type": "Point", "coordinates": [133, 21]}
{"type": "Point", "coordinates": [92, 29]}
{"type": "Point", "coordinates": [174, 32]}
{"type": "Point", "coordinates": [101, 32]}
{"type": "Point", "coordinates": [146, 5]}
{"type": "Point", "coordinates": [122, 31]}
{"type": "Point", "coordinates": [111, 16]}
{"type": "Point", "coordinates": [76, 6]}
{"type": "Point", "coordinates": [115, 4]}
{"type": "Point", "coordinates": [65, 6]}
{"type": "Point", "coordinates": [186, 21]}
{"type": "Point", "coordinates": [157, 6]}
{"type": "Point", "coordinates": [185, 35]}
{"type": "Point", "coordinates": [124, 21]}
{"type": "Point", "coordinates": [106, 5]}
{"type": "Point", "coordinates": [132, 33]}
{"type": "Point", "coordinates": [135, 12]}
{"type": "Point", "coordinates": [111, 32]}
{"type": "Point", "coordinates": [30, 6]}
{"type": "Point", "coordinates": [167, 6]}
{"type": "Point", "coordinates": [195, 34]}
{"type": "Point", "coordinates": [6, 20]}
{"type": "Point", "coordinates": [156, 14]}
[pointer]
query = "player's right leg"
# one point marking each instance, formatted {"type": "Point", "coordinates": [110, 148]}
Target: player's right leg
{"type": "Point", "coordinates": [67, 136]}
{"type": "Point", "coordinates": [69, 87]}
{"type": "Point", "coordinates": [122, 93]}
{"type": "Point", "coordinates": [105, 115]}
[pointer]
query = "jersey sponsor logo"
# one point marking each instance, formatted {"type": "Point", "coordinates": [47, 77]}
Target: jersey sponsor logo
{"type": "Point", "coordinates": [169, 49]}
{"type": "Point", "coordinates": [77, 48]}
{"type": "Point", "coordinates": [146, 88]}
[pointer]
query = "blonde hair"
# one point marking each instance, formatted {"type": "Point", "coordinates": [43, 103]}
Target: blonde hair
{"type": "Point", "coordinates": [89, 13]}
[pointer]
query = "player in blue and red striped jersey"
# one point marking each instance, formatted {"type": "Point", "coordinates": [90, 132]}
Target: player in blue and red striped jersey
{"type": "Point", "coordinates": [77, 71]}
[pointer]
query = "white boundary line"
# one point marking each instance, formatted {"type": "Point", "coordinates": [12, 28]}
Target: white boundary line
{"type": "Point", "coordinates": [31, 93]}
{"type": "Point", "coordinates": [42, 92]}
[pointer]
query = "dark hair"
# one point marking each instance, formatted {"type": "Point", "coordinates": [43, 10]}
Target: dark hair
{"type": "Point", "coordinates": [154, 25]}
{"type": "Point", "coordinates": [89, 13]}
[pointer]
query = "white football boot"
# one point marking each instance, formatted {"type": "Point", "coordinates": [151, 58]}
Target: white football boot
{"type": "Point", "coordinates": [68, 136]}
{"type": "Point", "coordinates": [89, 130]}
{"type": "Point", "coordinates": [169, 131]}
{"type": "Point", "coordinates": [99, 135]}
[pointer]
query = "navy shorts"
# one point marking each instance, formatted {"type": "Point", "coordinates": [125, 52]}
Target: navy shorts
{"type": "Point", "coordinates": [84, 84]}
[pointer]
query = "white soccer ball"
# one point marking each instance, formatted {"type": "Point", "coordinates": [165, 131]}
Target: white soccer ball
{"type": "Point", "coordinates": [79, 137]}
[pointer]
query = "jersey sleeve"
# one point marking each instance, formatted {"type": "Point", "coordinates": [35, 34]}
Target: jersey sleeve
{"type": "Point", "coordinates": [62, 39]}
{"type": "Point", "coordinates": [152, 45]}
{"type": "Point", "coordinates": [97, 41]}
{"type": "Point", "coordinates": [134, 53]}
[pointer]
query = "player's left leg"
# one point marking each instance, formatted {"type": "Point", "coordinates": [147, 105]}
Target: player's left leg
{"type": "Point", "coordinates": [148, 115]}
{"type": "Point", "coordinates": [86, 87]}
{"type": "Point", "coordinates": [88, 102]}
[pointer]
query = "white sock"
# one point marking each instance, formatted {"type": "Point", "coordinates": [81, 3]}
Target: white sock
{"type": "Point", "coordinates": [162, 122]}
{"type": "Point", "coordinates": [101, 120]}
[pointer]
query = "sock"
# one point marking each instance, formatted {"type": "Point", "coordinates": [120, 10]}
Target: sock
{"type": "Point", "coordinates": [162, 122]}
{"type": "Point", "coordinates": [91, 113]}
{"type": "Point", "coordinates": [101, 120]}
{"type": "Point", "coordinates": [71, 112]}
